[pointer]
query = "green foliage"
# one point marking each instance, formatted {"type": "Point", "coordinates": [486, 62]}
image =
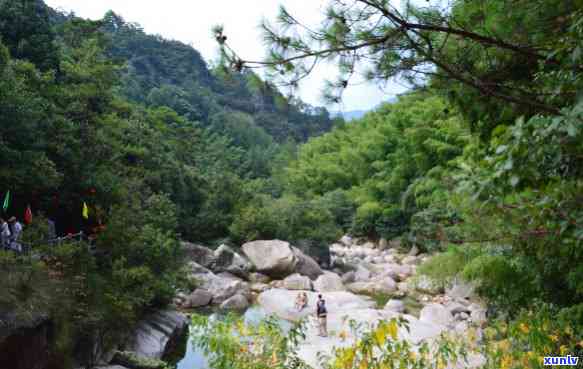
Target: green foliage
{"type": "Point", "coordinates": [133, 361]}
{"type": "Point", "coordinates": [231, 343]}
{"type": "Point", "coordinates": [446, 266]}
{"type": "Point", "coordinates": [287, 218]}
{"type": "Point", "coordinates": [26, 30]}
{"type": "Point", "coordinates": [386, 166]}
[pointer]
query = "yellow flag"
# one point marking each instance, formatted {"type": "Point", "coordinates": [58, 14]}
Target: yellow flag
{"type": "Point", "coordinates": [85, 211]}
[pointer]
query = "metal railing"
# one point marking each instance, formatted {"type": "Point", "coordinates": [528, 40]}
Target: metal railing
{"type": "Point", "coordinates": [27, 247]}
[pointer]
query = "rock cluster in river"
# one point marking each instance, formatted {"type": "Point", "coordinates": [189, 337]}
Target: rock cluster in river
{"type": "Point", "coordinates": [363, 269]}
{"type": "Point", "coordinates": [232, 279]}
{"type": "Point", "coordinates": [273, 272]}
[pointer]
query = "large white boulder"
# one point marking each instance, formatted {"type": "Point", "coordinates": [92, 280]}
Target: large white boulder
{"type": "Point", "coordinates": [436, 314]}
{"type": "Point", "coordinates": [274, 258]}
{"type": "Point", "coordinates": [383, 285]}
{"type": "Point", "coordinates": [395, 305]}
{"type": "Point", "coordinates": [460, 290]}
{"type": "Point", "coordinates": [361, 274]}
{"type": "Point", "coordinates": [477, 314]}
{"type": "Point", "coordinates": [348, 277]}
{"type": "Point", "coordinates": [221, 287]}
{"type": "Point", "coordinates": [236, 302]}
{"type": "Point", "coordinates": [329, 282]}
{"type": "Point", "coordinates": [420, 330]}
{"type": "Point", "coordinates": [281, 303]}
{"type": "Point", "coordinates": [228, 260]}
{"type": "Point", "coordinates": [154, 332]}
{"type": "Point", "coordinates": [297, 282]}
{"type": "Point", "coordinates": [198, 298]}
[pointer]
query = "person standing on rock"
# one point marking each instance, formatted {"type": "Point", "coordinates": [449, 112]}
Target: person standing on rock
{"type": "Point", "coordinates": [322, 315]}
{"type": "Point", "coordinates": [15, 230]}
{"type": "Point", "coordinates": [4, 234]}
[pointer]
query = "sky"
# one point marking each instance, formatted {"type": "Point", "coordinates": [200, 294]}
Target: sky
{"type": "Point", "coordinates": [190, 21]}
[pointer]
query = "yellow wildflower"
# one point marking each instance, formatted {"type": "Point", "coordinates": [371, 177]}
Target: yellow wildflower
{"type": "Point", "coordinates": [554, 337]}
{"type": "Point", "coordinates": [524, 328]}
{"type": "Point", "coordinates": [506, 362]}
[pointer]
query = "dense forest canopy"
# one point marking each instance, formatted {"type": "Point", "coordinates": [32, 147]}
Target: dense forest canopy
{"type": "Point", "coordinates": [489, 138]}
{"type": "Point", "coordinates": [481, 160]}
{"type": "Point", "coordinates": [141, 132]}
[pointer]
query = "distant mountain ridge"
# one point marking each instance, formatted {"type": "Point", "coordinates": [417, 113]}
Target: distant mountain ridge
{"type": "Point", "coordinates": [350, 115]}
{"type": "Point", "coordinates": [357, 114]}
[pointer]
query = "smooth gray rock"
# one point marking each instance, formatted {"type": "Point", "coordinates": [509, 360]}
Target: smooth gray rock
{"type": "Point", "coordinates": [306, 265]}
{"type": "Point", "coordinates": [274, 258]}
{"type": "Point", "coordinates": [198, 298]}
{"type": "Point", "coordinates": [456, 308]}
{"type": "Point", "coordinates": [460, 290]}
{"type": "Point", "coordinates": [393, 270]}
{"type": "Point", "coordinates": [478, 314]}
{"type": "Point", "coordinates": [384, 285]}
{"type": "Point", "coordinates": [329, 282]}
{"type": "Point", "coordinates": [281, 303]}
{"type": "Point", "coordinates": [348, 277]}
{"type": "Point", "coordinates": [361, 274]}
{"type": "Point", "coordinates": [383, 244]}
{"type": "Point", "coordinates": [154, 332]}
{"type": "Point", "coordinates": [221, 287]}
{"type": "Point", "coordinates": [227, 260]}
{"type": "Point", "coordinates": [199, 254]}
{"type": "Point", "coordinates": [196, 268]}
{"type": "Point", "coordinates": [420, 330]}
{"type": "Point", "coordinates": [437, 314]}
{"type": "Point", "coordinates": [236, 302]}
{"type": "Point", "coordinates": [395, 305]}
{"type": "Point", "coordinates": [297, 282]}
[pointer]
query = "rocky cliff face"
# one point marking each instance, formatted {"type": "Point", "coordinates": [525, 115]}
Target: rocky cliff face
{"type": "Point", "coordinates": [25, 345]}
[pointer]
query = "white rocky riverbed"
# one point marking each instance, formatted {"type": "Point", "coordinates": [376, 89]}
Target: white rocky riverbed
{"type": "Point", "coordinates": [265, 277]}
{"type": "Point", "coordinates": [272, 273]}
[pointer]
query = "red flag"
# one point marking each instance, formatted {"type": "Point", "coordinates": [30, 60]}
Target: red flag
{"type": "Point", "coordinates": [28, 215]}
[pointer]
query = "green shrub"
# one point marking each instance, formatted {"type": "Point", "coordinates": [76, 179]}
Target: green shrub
{"type": "Point", "coordinates": [288, 218]}
{"type": "Point", "coordinates": [504, 280]}
{"type": "Point", "coordinates": [446, 266]}
{"type": "Point", "coordinates": [365, 220]}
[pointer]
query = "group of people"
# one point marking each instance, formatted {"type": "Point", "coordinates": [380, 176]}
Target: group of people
{"type": "Point", "coordinates": [10, 232]}
{"type": "Point", "coordinates": [321, 311]}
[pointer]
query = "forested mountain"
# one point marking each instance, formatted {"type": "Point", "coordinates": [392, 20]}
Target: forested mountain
{"type": "Point", "coordinates": [133, 140]}
{"type": "Point", "coordinates": [169, 73]}
{"type": "Point", "coordinates": [136, 141]}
